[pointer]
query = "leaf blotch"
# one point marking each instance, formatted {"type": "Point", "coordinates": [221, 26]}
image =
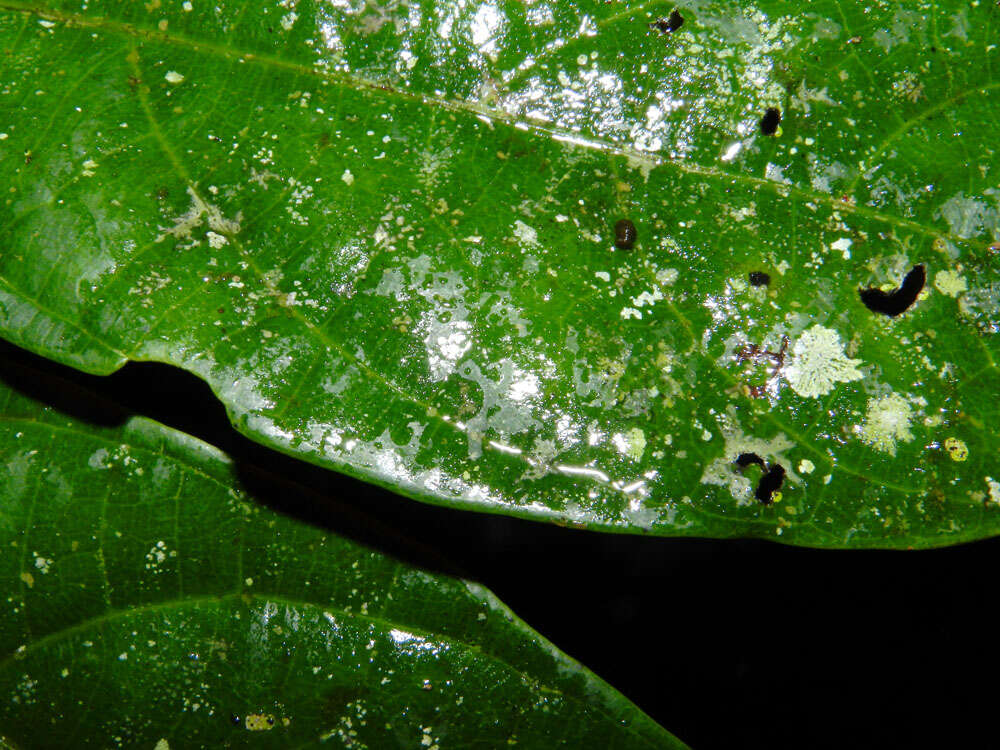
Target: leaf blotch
{"type": "Point", "coordinates": [759, 278]}
{"type": "Point", "coordinates": [898, 300]}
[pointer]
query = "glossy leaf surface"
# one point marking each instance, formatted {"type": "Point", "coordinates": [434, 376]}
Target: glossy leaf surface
{"type": "Point", "coordinates": [385, 233]}
{"type": "Point", "coordinates": [148, 597]}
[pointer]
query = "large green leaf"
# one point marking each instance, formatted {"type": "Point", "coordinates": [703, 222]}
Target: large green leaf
{"type": "Point", "coordinates": [147, 597]}
{"type": "Point", "coordinates": [383, 233]}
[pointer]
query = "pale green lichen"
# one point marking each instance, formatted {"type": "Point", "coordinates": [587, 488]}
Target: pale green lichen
{"type": "Point", "coordinates": [887, 421]}
{"type": "Point", "coordinates": [818, 363]}
{"type": "Point", "coordinates": [950, 283]}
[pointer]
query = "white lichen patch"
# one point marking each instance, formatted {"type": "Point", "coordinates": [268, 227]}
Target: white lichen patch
{"type": "Point", "coordinates": [200, 212]}
{"type": "Point", "coordinates": [950, 283]}
{"type": "Point", "coordinates": [347, 177]}
{"type": "Point", "coordinates": [216, 240]}
{"type": "Point", "coordinates": [888, 420]}
{"type": "Point", "coordinates": [806, 466]}
{"type": "Point", "coordinates": [667, 276]}
{"type": "Point", "coordinates": [842, 245]}
{"type": "Point", "coordinates": [42, 563]}
{"type": "Point", "coordinates": [818, 363]}
{"type": "Point", "coordinates": [993, 487]}
{"type": "Point", "coordinates": [528, 236]}
{"type": "Point", "coordinates": [174, 77]}
{"type": "Point", "coordinates": [631, 443]}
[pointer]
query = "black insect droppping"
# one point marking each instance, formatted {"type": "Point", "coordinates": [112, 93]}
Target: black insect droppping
{"type": "Point", "coordinates": [746, 459]}
{"type": "Point", "coordinates": [771, 480]}
{"type": "Point", "coordinates": [235, 720]}
{"type": "Point", "coordinates": [898, 300]}
{"type": "Point", "coordinates": [625, 234]}
{"type": "Point", "coordinates": [770, 483]}
{"type": "Point", "coordinates": [759, 278]}
{"type": "Point", "coordinates": [770, 121]}
{"type": "Point", "coordinates": [668, 25]}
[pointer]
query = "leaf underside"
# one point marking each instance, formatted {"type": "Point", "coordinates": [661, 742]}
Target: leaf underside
{"type": "Point", "coordinates": [147, 597]}
{"type": "Point", "coordinates": [384, 234]}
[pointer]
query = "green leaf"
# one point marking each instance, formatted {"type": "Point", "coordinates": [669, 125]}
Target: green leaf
{"type": "Point", "coordinates": [147, 596]}
{"type": "Point", "coordinates": [384, 233]}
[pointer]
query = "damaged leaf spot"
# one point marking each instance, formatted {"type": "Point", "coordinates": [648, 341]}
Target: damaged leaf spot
{"type": "Point", "coordinates": [668, 25]}
{"type": "Point", "coordinates": [759, 278]}
{"type": "Point", "coordinates": [625, 235]}
{"type": "Point", "coordinates": [770, 121]}
{"type": "Point", "coordinates": [898, 300]}
{"type": "Point", "coordinates": [755, 354]}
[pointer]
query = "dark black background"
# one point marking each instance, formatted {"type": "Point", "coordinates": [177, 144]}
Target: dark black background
{"type": "Point", "coordinates": [726, 643]}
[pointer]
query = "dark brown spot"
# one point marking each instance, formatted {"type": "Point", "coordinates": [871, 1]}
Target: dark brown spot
{"type": "Point", "coordinates": [770, 483]}
{"type": "Point", "coordinates": [670, 24]}
{"type": "Point", "coordinates": [898, 300]}
{"type": "Point", "coordinates": [625, 234]}
{"type": "Point", "coordinates": [770, 121]}
{"type": "Point", "coordinates": [759, 278]}
{"type": "Point", "coordinates": [748, 459]}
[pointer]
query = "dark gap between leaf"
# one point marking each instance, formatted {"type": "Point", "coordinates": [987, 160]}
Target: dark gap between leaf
{"type": "Point", "coordinates": [182, 401]}
{"type": "Point", "coordinates": [759, 278]}
{"type": "Point", "coordinates": [898, 300]}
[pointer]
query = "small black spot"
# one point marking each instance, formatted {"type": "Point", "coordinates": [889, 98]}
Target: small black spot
{"type": "Point", "coordinates": [770, 483]}
{"type": "Point", "coordinates": [235, 719]}
{"type": "Point", "coordinates": [270, 719]}
{"type": "Point", "coordinates": [625, 234]}
{"type": "Point", "coordinates": [898, 300]}
{"type": "Point", "coordinates": [759, 278]}
{"type": "Point", "coordinates": [770, 121]}
{"type": "Point", "coordinates": [668, 25]}
{"type": "Point", "coordinates": [747, 459]}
